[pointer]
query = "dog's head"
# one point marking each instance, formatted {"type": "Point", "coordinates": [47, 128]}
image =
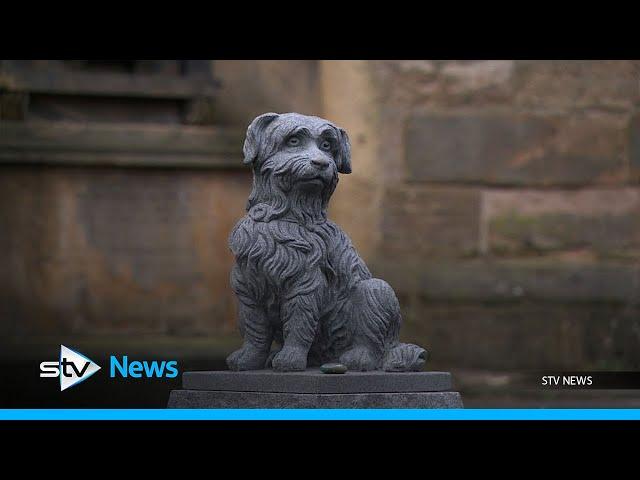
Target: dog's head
{"type": "Point", "coordinates": [296, 160]}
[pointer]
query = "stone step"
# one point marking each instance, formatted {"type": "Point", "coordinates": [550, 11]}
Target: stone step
{"type": "Point", "coordinates": [314, 389]}
{"type": "Point", "coordinates": [314, 381]}
{"type": "Point", "coordinates": [222, 399]}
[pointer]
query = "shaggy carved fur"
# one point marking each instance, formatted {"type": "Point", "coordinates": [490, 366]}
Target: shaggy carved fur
{"type": "Point", "coordinates": [298, 278]}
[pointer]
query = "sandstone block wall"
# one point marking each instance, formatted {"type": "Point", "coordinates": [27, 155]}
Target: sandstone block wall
{"type": "Point", "coordinates": [510, 208]}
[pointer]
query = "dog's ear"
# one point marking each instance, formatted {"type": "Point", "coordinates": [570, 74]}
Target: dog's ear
{"type": "Point", "coordinates": [344, 153]}
{"type": "Point", "coordinates": [255, 136]}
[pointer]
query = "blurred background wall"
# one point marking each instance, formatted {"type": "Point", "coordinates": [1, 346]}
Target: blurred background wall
{"type": "Point", "coordinates": [506, 196]}
{"type": "Point", "coordinates": [501, 199]}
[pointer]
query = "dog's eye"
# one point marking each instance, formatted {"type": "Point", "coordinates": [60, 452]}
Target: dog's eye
{"type": "Point", "coordinates": [293, 141]}
{"type": "Point", "coordinates": [325, 145]}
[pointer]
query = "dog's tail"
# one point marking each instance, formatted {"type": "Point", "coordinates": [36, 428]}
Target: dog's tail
{"type": "Point", "coordinates": [404, 357]}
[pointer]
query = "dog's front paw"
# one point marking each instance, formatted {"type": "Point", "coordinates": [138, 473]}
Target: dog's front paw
{"type": "Point", "coordinates": [269, 362]}
{"type": "Point", "coordinates": [290, 359]}
{"type": "Point", "coordinates": [359, 359]}
{"type": "Point", "coordinates": [248, 357]}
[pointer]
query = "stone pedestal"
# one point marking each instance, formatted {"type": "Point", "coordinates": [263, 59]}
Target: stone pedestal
{"type": "Point", "coordinates": [313, 389]}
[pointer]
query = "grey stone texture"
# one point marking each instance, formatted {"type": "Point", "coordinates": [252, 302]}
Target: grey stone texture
{"type": "Point", "coordinates": [314, 389]}
{"type": "Point", "coordinates": [299, 281]}
{"type": "Point", "coordinates": [207, 399]}
{"type": "Point", "coordinates": [314, 381]}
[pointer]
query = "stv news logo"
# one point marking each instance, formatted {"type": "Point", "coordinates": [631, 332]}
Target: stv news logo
{"type": "Point", "coordinates": [72, 368]}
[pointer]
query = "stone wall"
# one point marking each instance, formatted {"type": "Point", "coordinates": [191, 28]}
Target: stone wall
{"type": "Point", "coordinates": [509, 207]}
{"type": "Point", "coordinates": [110, 251]}
{"type": "Point", "coordinates": [115, 210]}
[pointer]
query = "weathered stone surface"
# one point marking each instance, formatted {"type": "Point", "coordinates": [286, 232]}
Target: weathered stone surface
{"type": "Point", "coordinates": [525, 334]}
{"type": "Point", "coordinates": [447, 83]}
{"type": "Point", "coordinates": [87, 251]}
{"type": "Point", "coordinates": [517, 149]}
{"type": "Point", "coordinates": [566, 84]}
{"type": "Point", "coordinates": [604, 221]}
{"type": "Point", "coordinates": [634, 148]}
{"type": "Point", "coordinates": [532, 85]}
{"type": "Point", "coordinates": [13, 105]}
{"type": "Point", "coordinates": [515, 280]}
{"type": "Point", "coordinates": [256, 86]}
{"type": "Point", "coordinates": [90, 143]}
{"type": "Point", "coordinates": [204, 399]}
{"type": "Point", "coordinates": [424, 221]}
{"type": "Point", "coordinates": [489, 78]}
{"type": "Point", "coordinates": [314, 381]}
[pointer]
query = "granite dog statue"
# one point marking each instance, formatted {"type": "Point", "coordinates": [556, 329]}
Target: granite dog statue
{"type": "Point", "coordinates": [299, 281]}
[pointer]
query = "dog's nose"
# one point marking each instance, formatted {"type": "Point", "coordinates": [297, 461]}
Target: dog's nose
{"type": "Point", "coordinates": [320, 163]}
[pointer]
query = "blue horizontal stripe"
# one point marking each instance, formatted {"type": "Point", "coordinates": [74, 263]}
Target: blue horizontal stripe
{"type": "Point", "coordinates": [319, 414]}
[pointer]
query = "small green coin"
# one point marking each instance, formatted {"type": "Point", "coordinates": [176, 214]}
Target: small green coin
{"type": "Point", "coordinates": [333, 368]}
